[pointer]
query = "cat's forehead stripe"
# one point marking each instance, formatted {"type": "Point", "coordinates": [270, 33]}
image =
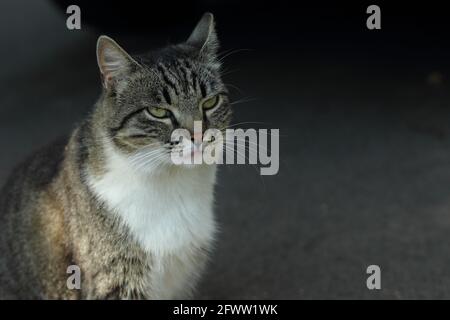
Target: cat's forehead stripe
{"type": "Point", "coordinates": [167, 79]}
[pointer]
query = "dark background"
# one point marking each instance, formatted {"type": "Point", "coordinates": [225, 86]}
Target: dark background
{"type": "Point", "coordinates": [363, 116]}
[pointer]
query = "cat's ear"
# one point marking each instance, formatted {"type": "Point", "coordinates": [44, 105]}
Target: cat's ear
{"type": "Point", "coordinates": [204, 36]}
{"type": "Point", "coordinates": [113, 61]}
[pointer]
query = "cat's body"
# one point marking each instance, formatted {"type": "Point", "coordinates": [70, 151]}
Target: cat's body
{"type": "Point", "coordinates": [137, 229]}
{"type": "Point", "coordinates": [81, 225]}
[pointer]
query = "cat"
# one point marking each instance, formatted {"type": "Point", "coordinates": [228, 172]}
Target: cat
{"type": "Point", "coordinates": [108, 199]}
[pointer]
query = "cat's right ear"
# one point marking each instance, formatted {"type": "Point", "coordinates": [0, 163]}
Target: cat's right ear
{"type": "Point", "coordinates": [113, 61]}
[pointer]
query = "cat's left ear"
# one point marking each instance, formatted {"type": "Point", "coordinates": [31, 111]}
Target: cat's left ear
{"type": "Point", "coordinates": [204, 36]}
{"type": "Point", "coordinates": [113, 61]}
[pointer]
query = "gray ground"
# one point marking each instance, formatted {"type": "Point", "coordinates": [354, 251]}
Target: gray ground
{"type": "Point", "coordinates": [364, 171]}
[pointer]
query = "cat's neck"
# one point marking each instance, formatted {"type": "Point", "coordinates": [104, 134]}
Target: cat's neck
{"type": "Point", "coordinates": [165, 210]}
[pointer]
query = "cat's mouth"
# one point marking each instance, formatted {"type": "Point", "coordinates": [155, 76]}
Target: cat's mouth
{"type": "Point", "coordinates": [191, 155]}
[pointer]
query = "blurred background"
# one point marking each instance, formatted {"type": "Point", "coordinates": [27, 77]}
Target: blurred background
{"type": "Point", "coordinates": [363, 116]}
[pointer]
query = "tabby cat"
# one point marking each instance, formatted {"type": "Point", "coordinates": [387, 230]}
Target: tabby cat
{"type": "Point", "coordinates": [109, 199]}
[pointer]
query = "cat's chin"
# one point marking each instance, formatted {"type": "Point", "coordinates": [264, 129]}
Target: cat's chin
{"type": "Point", "coordinates": [171, 168]}
{"type": "Point", "coordinates": [191, 165]}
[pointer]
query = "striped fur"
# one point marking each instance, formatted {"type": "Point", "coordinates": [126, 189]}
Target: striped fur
{"type": "Point", "coordinates": [108, 199]}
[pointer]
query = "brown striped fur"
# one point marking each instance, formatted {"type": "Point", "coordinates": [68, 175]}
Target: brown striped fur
{"type": "Point", "coordinates": [50, 218]}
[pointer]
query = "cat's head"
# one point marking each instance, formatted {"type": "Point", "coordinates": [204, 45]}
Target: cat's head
{"type": "Point", "coordinates": [147, 97]}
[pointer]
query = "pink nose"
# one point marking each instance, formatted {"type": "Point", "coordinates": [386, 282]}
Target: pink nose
{"type": "Point", "coordinates": [198, 137]}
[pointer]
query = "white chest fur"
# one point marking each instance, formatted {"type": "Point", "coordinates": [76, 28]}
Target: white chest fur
{"type": "Point", "coordinates": [169, 213]}
{"type": "Point", "coordinates": [166, 211]}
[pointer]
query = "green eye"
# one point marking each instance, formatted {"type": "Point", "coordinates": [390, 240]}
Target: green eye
{"type": "Point", "coordinates": [210, 103]}
{"type": "Point", "coordinates": [158, 112]}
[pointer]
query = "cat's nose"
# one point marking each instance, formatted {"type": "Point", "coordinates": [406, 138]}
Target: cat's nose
{"type": "Point", "coordinates": [197, 136]}
{"type": "Point", "coordinates": [197, 140]}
